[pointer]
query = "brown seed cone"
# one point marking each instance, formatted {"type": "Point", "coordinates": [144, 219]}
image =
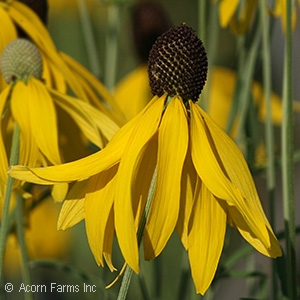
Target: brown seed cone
{"type": "Point", "coordinates": [178, 64]}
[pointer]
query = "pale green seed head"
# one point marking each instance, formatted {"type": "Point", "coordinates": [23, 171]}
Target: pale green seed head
{"type": "Point", "coordinates": [20, 60]}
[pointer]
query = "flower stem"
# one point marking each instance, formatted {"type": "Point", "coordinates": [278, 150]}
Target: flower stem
{"type": "Point", "coordinates": [264, 18]}
{"type": "Point", "coordinates": [22, 243]}
{"type": "Point", "coordinates": [128, 272]}
{"type": "Point", "coordinates": [89, 38]}
{"type": "Point", "coordinates": [202, 20]}
{"type": "Point", "coordinates": [114, 12]}
{"type": "Point", "coordinates": [14, 158]}
{"type": "Point", "coordinates": [287, 159]}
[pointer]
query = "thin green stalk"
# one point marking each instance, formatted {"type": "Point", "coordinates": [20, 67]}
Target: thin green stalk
{"type": "Point", "coordinates": [202, 20]}
{"type": "Point", "coordinates": [246, 86]}
{"type": "Point", "coordinates": [287, 160]}
{"type": "Point", "coordinates": [211, 45]}
{"type": "Point", "coordinates": [111, 53]}
{"type": "Point", "coordinates": [89, 38]}
{"type": "Point", "coordinates": [14, 158]}
{"type": "Point", "coordinates": [128, 271]}
{"type": "Point", "coordinates": [269, 132]}
{"type": "Point", "coordinates": [22, 243]}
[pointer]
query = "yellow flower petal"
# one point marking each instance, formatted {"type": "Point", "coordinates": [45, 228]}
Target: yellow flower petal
{"type": "Point", "coordinates": [43, 119]}
{"type": "Point", "coordinates": [75, 109]}
{"type": "Point", "coordinates": [3, 157]}
{"type": "Point", "coordinates": [222, 178]}
{"type": "Point", "coordinates": [206, 238]}
{"type": "Point", "coordinates": [239, 174]}
{"type": "Point", "coordinates": [146, 125]}
{"type": "Point", "coordinates": [20, 110]}
{"type": "Point", "coordinates": [82, 168]}
{"type": "Point", "coordinates": [188, 184]}
{"type": "Point", "coordinates": [72, 210]}
{"type": "Point", "coordinates": [172, 148]}
{"type": "Point", "coordinates": [96, 89]}
{"type": "Point", "coordinates": [133, 92]}
{"type": "Point", "coordinates": [99, 202]}
{"type": "Point", "coordinates": [31, 24]}
{"type": "Point", "coordinates": [7, 34]}
{"type": "Point", "coordinates": [59, 192]}
{"type": "Point", "coordinates": [227, 9]}
{"type": "Point", "coordinates": [241, 24]}
{"type": "Point", "coordinates": [52, 76]}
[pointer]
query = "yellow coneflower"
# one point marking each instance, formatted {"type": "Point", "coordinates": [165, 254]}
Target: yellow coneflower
{"type": "Point", "coordinates": [60, 70]}
{"type": "Point", "coordinates": [202, 179]}
{"type": "Point", "coordinates": [30, 103]}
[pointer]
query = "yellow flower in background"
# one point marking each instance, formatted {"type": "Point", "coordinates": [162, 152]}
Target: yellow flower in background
{"type": "Point", "coordinates": [240, 14]}
{"type": "Point", "coordinates": [223, 82]}
{"type": "Point", "coordinates": [133, 92]}
{"type": "Point", "coordinates": [31, 104]}
{"type": "Point", "coordinates": [42, 240]}
{"type": "Point", "coordinates": [237, 14]}
{"type": "Point", "coordinates": [280, 11]}
{"type": "Point", "coordinates": [202, 179]}
{"type": "Point", "coordinates": [60, 71]}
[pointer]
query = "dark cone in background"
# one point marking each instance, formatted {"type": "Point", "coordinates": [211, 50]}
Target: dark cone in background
{"type": "Point", "coordinates": [149, 21]}
{"type": "Point", "coordinates": [178, 64]}
{"type": "Point", "coordinates": [40, 7]}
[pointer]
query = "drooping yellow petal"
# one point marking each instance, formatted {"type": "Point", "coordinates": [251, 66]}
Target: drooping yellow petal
{"type": "Point", "coordinates": [280, 11]}
{"type": "Point", "coordinates": [108, 241]}
{"type": "Point", "coordinates": [43, 119]}
{"type": "Point", "coordinates": [242, 22]}
{"type": "Point", "coordinates": [59, 192]}
{"type": "Point", "coordinates": [239, 174]}
{"type": "Point", "coordinates": [133, 92]}
{"type": "Point", "coordinates": [72, 210]}
{"type": "Point", "coordinates": [188, 184]}
{"type": "Point", "coordinates": [96, 89]}
{"type": "Point", "coordinates": [82, 168]}
{"type": "Point", "coordinates": [98, 205]}
{"type": "Point", "coordinates": [31, 24]}
{"type": "Point", "coordinates": [142, 178]}
{"type": "Point", "coordinates": [206, 237]}
{"type": "Point", "coordinates": [226, 10]}
{"type": "Point", "coordinates": [172, 148]}
{"type": "Point", "coordinates": [212, 171]}
{"type": "Point", "coordinates": [52, 76]}
{"type": "Point", "coordinates": [3, 156]}
{"type": "Point", "coordinates": [7, 34]}
{"type": "Point", "coordinates": [146, 125]}
{"type": "Point", "coordinates": [84, 121]}
{"type": "Point", "coordinates": [20, 111]}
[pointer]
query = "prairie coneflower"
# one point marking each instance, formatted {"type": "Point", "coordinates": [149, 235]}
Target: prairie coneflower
{"type": "Point", "coordinates": [27, 18]}
{"type": "Point", "coordinates": [202, 179]}
{"type": "Point", "coordinates": [33, 106]}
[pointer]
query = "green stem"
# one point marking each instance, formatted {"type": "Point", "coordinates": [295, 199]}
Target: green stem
{"type": "Point", "coordinates": [89, 38]}
{"type": "Point", "coordinates": [269, 132]}
{"type": "Point", "coordinates": [202, 20]}
{"type": "Point", "coordinates": [128, 271]}
{"type": "Point", "coordinates": [114, 16]}
{"type": "Point", "coordinates": [287, 159]}
{"type": "Point", "coordinates": [247, 78]}
{"type": "Point", "coordinates": [14, 158]}
{"type": "Point", "coordinates": [211, 45]}
{"type": "Point", "coordinates": [22, 243]}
